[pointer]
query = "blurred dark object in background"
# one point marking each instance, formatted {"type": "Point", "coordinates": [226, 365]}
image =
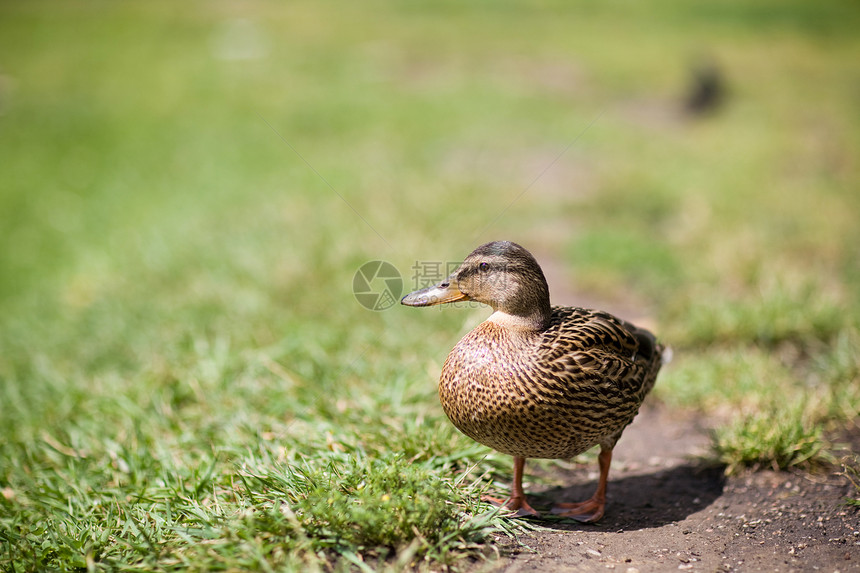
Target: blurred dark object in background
{"type": "Point", "coordinates": [706, 92]}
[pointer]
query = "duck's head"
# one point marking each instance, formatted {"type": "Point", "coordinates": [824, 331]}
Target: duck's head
{"type": "Point", "coordinates": [500, 274]}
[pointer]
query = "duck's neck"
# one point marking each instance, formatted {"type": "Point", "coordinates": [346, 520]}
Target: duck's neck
{"type": "Point", "coordinates": [525, 305]}
{"type": "Point", "coordinates": [531, 323]}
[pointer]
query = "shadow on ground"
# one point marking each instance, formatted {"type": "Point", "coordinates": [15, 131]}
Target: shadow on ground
{"type": "Point", "coordinates": [640, 501]}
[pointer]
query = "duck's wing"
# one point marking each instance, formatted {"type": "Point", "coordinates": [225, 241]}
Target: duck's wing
{"type": "Point", "coordinates": [596, 357]}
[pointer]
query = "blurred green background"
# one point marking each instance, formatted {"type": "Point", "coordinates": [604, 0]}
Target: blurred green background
{"type": "Point", "coordinates": [187, 189]}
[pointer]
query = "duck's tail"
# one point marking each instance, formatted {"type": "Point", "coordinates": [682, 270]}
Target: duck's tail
{"type": "Point", "coordinates": [654, 354]}
{"type": "Point", "coordinates": [666, 354]}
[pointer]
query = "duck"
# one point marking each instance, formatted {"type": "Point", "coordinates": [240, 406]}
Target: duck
{"type": "Point", "coordinates": [536, 380]}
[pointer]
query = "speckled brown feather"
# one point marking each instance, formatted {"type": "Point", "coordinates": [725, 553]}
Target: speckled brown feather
{"type": "Point", "coordinates": [553, 393]}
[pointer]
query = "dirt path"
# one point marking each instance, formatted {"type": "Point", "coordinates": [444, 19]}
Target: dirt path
{"type": "Point", "coordinates": [669, 510]}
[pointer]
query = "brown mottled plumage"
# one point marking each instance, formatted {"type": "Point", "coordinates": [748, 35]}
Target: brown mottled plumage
{"type": "Point", "coordinates": [535, 381]}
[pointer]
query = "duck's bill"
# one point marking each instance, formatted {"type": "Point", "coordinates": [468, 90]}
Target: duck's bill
{"type": "Point", "coordinates": [437, 294]}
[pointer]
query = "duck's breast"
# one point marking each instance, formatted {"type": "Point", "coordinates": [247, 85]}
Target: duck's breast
{"type": "Point", "coordinates": [493, 390]}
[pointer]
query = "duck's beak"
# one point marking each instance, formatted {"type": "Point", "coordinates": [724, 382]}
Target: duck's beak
{"type": "Point", "coordinates": [446, 291]}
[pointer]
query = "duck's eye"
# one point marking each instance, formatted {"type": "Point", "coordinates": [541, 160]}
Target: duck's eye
{"type": "Point", "coordinates": [484, 266]}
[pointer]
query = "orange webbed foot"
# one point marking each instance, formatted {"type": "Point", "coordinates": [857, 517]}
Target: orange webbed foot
{"type": "Point", "coordinates": [588, 511]}
{"type": "Point", "coordinates": [517, 504]}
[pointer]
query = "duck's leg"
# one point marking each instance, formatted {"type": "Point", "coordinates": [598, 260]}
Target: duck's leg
{"type": "Point", "coordinates": [517, 502]}
{"type": "Point", "coordinates": [590, 510]}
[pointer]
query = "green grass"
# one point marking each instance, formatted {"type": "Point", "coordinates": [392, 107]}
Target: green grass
{"type": "Point", "coordinates": [149, 514]}
{"type": "Point", "coordinates": [851, 471]}
{"type": "Point", "coordinates": [186, 380]}
{"type": "Point", "coordinates": [777, 437]}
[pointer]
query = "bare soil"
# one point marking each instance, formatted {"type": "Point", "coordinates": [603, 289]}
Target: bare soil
{"type": "Point", "coordinates": [669, 508]}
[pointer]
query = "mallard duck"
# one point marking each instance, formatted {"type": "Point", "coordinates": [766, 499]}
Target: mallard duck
{"type": "Point", "coordinates": [535, 380]}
